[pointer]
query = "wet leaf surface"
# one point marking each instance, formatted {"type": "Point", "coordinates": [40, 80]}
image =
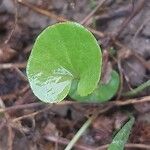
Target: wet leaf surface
{"type": "Point", "coordinates": [61, 53]}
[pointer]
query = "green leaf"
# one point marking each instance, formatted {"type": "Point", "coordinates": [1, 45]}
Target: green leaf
{"type": "Point", "coordinates": [122, 136]}
{"type": "Point", "coordinates": [102, 93]}
{"type": "Point", "coordinates": [61, 53]}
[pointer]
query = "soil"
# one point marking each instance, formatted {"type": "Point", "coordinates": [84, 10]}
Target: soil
{"type": "Point", "coordinates": [123, 30]}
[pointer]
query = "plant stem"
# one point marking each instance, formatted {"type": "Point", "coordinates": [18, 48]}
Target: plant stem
{"type": "Point", "coordinates": [80, 132]}
{"type": "Point", "coordinates": [138, 89]}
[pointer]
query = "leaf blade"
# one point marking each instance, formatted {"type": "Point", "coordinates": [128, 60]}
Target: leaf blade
{"type": "Point", "coordinates": [121, 137]}
{"type": "Point", "coordinates": [61, 53]}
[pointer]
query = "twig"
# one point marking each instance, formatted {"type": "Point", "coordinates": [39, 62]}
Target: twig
{"type": "Point", "coordinates": [121, 78]}
{"type": "Point", "coordinates": [143, 61]}
{"type": "Point", "coordinates": [8, 96]}
{"type": "Point", "coordinates": [137, 9]}
{"type": "Point", "coordinates": [64, 141]}
{"type": "Point", "coordinates": [23, 77]}
{"type": "Point", "coordinates": [98, 33]}
{"type": "Point", "coordinates": [15, 94]}
{"type": "Point", "coordinates": [24, 106]}
{"type": "Point", "coordinates": [122, 46]}
{"type": "Point", "coordinates": [37, 104]}
{"type": "Point", "coordinates": [2, 125]}
{"type": "Point", "coordinates": [11, 65]}
{"type": "Point", "coordinates": [42, 11]}
{"type": "Point", "coordinates": [15, 23]}
{"type": "Point", "coordinates": [2, 106]}
{"type": "Point", "coordinates": [132, 101]}
{"type": "Point", "coordinates": [22, 91]}
{"type": "Point", "coordinates": [110, 15]}
{"type": "Point", "coordinates": [138, 89]}
{"type": "Point", "coordinates": [31, 114]}
{"type": "Point", "coordinates": [112, 103]}
{"type": "Point", "coordinates": [10, 131]}
{"type": "Point", "coordinates": [134, 145]}
{"type": "Point", "coordinates": [101, 2]}
{"type": "Point", "coordinates": [140, 28]}
{"type": "Point", "coordinates": [10, 138]}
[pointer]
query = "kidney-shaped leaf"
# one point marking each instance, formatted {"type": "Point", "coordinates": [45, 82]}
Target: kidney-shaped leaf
{"type": "Point", "coordinates": [102, 93]}
{"type": "Point", "coordinates": [61, 53]}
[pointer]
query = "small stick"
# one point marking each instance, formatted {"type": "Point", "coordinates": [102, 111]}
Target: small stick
{"type": "Point", "coordinates": [42, 11]}
{"type": "Point", "coordinates": [143, 62]}
{"type": "Point", "coordinates": [110, 15]}
{"type": "Point", "coordinates": [10, 138]}
{"type": "Point", "coordinates": [98, 33]}
{"type": "Point", "coordinates": [111, 103]}
{"type": "Point", "coordinates": [11, 65]}
{"type": "Point", "coordinates": [15, 24]}
{"type": "Point", "coordinates": [138, 89]}
{"type": "Point", "coordinates": [24, 106]}
{"type": "Point", "coordinates": [121, 78]}
{"type": "Point", "coordinates": [132, 101]}
{"type": "Point", "coordinates": [8, 96]}
{"type": "Point", "coordinates": [15, 94]}
{"type": "Point", "coordinates": [65, 141]}
{"type": "Point", "coordinates": [31, 114]}
{"type": "Point", "coordinates": [23, 77]}
{"type": "Point", "coordinates": [37, 104]}
{"type": "Point", "coordinates": [101, 2]}
{"type": "Point", "coordinates": [10, 131]}
{"type": "Point", "coordinates": [137, 9]}
{"type": "Point", "coordinates": [140, 28]}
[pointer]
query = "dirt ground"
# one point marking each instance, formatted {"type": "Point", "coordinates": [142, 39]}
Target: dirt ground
{"type": "Point", "coordinates": [122, 28]}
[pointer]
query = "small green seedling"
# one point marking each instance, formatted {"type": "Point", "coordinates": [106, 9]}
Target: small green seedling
{"type": "Point", "coordinates": [66, 59]}
{"type": "Point", "coordinates": [122, 136]}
